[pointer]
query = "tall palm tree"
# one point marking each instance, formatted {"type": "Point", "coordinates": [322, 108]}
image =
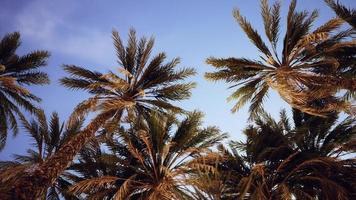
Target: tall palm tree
{"type": "Point", "coordinates": [140, 87]}
{"type": "Point", "coordinates": [150, 160]}
{"type": "Point", "coordinates": [306, 75]}
{"type": "Point", "coordinates": [16, 72]}
{"type": "Point", "coordinates": [279, 161]}
{"type": "Point", "coordinates": [347, 14]}
{"type": "Point", "coordinates": [48, 138]}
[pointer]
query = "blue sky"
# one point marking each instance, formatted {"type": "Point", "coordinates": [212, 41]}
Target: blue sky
{"type": "Point", "coordinates": [79, 32]}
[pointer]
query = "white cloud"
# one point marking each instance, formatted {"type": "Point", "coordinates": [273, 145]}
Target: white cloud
{"type": "Point", "coordinates": [36, 22]}
{"type": "Point", "coordinates": [95, 46]}
{"type": "Point", "coordinates": [48, 25]}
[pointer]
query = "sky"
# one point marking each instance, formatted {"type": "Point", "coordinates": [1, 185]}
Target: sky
{"type": "Point", "coordinates": [79, 32]}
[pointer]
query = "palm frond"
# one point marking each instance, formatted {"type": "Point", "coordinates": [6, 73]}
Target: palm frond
{"type": "Point", "coordinates": [17, 71]}
{"type": "Point", "coordinates": [92, 184]}
{"type": "Point", "coordinates": [251, 33]}
{"type": "Point", "coordinates": [343, 12]}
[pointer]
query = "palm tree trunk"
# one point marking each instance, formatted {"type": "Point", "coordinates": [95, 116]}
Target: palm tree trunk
{"type": "Point", "coordinates": [32, 185]}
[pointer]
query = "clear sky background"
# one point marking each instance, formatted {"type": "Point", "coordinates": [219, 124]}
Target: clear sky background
{"type": "Point", "coordinates": [79, 32]}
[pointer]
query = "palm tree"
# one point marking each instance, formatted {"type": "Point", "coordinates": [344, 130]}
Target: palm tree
{"type": "Point", "coordinates": [306, 75]}
{"type": "Point", "coordinates": [240, 172]}
{"type": "Point", "coordinates": [48, 138]}
{"type": "Point", "coordinates": [219, 175]}
{"type": "Point", "coordinates": [349, 15]}
{"type": "Point", "coordinates": [346, 58]}
{"type": "Point", "coordinates": [140, 87]}
{"type": "Point", "coordinates": [320, 166]}
{"type": "Point", "coordinates": [16, 72]}
{"type": "Point", "coordinates": [279, 161]}
{"type": "Point", "coordinates": [150, 160]}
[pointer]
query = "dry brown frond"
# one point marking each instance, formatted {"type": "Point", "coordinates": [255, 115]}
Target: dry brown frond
{"type": "Point", "coordinates": [11, 84]}
{"type": "Point", "coordinates": [259, 169]}
{"type": "Point", "coordinates": [123, 191]}
{"type": "Point", "coordinates": [125, 72]}
{"type": "Point", "coordinates": [9, 175]}
{"type": "Point", "coordinates": [116, 104]}
{"type": "Point", "coordinates": [284, 192]}
{"type": "Point", "coordinates": [93, 184]}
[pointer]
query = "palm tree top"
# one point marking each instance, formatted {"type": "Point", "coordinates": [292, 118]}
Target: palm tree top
{"type": "Point", "coordinates": [148, 160]}
{"type": "Point", "coordinates": [47, 136]}
{"type": "Point", "coordinates": [306, 73]}
{"type": "Point", "coordinates": [140, 84]}
{"type": "Point", "coordinates": [278, 157]}
{"type": "Point", "coordinates": [17, 72]}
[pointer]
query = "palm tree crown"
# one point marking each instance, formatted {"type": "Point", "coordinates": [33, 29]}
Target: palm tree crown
{"type": "Point", "coordinates": [150, 160]}
{"type": "Point", "coordinates": [278, 160]}
{"type": "Point", "coordinates": [140, 86]}
{"type": "Point", "coordinates": [15, 73]}
{"type": "Point", "coordinates": [307, 75]}
{"type": "Point", "coordinates": [48, 138]}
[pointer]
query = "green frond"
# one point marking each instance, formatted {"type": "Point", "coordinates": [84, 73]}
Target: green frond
{"type": "Point", "coordinates": [329, 26]}
{"type": "Point", "coordinates": [151, 69]}
{"type": "Point", "coordinates": [80, 72]}
{"type": "Point", "coordinates": [186, 129]}
{"type": "Point", "coordinates": [271, 19]}
{"type": "Point", "coordinates": [297, 29]}
{"type": "Point", "coordinates": [251, 33]}
{"type": "Point", "coordinates": [267, 19]}
{"type": "Point", "coordinates": [219, 75]}
{"type": "Point", "coordinates": [119, 47]}
{"type": "Point", "coordinates": [183, 74]}
{"type": "Point", "coordinates": [235, 63]}
{"type": "Point", "coordinates": [9, 44]}
{"type": "Point", "coordinates": [275, 12]}
{"type": "Point", "coordinates": [23, 102]}
{"type": "Point", "coordinates": [12, 121]}
{"type": "Point", "coordinates": [349, 15]}
{"type": "Point", "coordinates": [29, 61]}
{"type": "Point", "coordinates": [143, 54]}
{"type": "Point", "coordinates": [208, 137]}
{"type": "Point", "coordinates": [54, 132]}
{"type": "Point", "coordinates": [248, 87]}
{"type": "Point", "coordinates": [33, 78]}
{"type": "Point", "coordinates": [284, 121]}
{"type": "Point", "coordinates": [256, 106]}
{"type": "Point", "coordinates": [244, 93]}
{"type": "Point", "coordinates": [75, 83]}
{"type": "Point", "coordinates": [174, 92]}
{"type": "Point", "coordinates": [131, 50]}
{"type": "Point", "coordinates": [291, 13]}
